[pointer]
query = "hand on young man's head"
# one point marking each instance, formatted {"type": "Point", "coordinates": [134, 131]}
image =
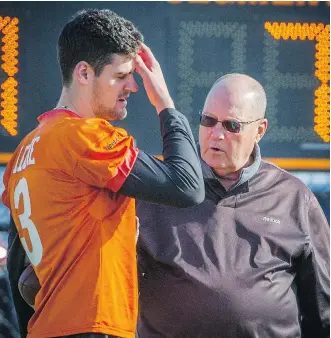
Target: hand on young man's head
{"type": "Point", "coordinates": [150, 71]}
{"type": "Point", "coordinates": [147, 56]}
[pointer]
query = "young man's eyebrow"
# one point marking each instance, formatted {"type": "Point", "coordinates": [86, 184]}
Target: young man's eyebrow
{"type": "Point", "coordinates": [123, 73]}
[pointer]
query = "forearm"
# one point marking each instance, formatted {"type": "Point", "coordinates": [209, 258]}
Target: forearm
{"type": "Point", "coordinates": [175, 181]}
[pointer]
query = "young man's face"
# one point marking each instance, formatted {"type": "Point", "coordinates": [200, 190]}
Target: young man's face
{"type": "Point", "coordinates": [112, 88]}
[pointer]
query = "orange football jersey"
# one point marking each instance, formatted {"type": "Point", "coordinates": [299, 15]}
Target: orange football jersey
{"type": "Point", "coordinates": [60, 186]}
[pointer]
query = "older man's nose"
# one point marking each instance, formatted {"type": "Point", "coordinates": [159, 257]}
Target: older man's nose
{"type": "Point", "coordinates": [218, 131]}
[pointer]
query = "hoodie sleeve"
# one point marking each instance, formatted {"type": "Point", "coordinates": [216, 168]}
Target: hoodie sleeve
{"type": "Point", "coordinates": [313, 277]}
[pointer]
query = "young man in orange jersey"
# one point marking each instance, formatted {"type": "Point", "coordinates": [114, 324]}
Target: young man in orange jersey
{"type": "Point", "coordinates": [71, 182]}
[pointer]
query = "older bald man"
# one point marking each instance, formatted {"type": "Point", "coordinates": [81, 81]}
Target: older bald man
{"type": "Point", "coordinates": [252, 260]}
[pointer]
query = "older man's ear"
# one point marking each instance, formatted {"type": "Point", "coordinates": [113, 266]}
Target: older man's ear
{"type": "Point", "coordinates": [262, 128]}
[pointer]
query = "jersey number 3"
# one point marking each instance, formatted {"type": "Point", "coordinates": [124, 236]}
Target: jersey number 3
{"type": "Point", "coordinates": [36, 253]}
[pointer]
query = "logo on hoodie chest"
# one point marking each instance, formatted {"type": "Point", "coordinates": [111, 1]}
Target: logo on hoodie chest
{"type": "Point", "coordinates": [269, 219]}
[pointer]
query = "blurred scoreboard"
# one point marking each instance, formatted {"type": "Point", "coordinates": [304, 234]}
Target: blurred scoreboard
{"type": "Point", "coordinates": [284, 45]}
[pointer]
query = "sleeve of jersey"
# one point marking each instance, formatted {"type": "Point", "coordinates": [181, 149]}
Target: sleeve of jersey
{"type": "Point", "coordinates": [105, 154]}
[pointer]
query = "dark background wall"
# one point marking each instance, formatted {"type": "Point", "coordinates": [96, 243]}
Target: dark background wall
{"type": "Point", "coordinates": [195, 44]}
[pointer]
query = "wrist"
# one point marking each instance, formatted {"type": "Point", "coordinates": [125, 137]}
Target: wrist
{"type": "Point", "coordinates": [165, 104]}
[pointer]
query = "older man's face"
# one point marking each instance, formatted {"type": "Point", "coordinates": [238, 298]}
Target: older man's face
{"type": "Point", "coordinates": [224, 151]}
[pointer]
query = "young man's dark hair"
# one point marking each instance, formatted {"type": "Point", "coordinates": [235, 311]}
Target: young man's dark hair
{"type": "Point", "coordinates": [94, 36]}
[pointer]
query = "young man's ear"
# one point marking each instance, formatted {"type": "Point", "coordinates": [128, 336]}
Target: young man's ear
{"type": "Point", "coordinates": [82, 72]}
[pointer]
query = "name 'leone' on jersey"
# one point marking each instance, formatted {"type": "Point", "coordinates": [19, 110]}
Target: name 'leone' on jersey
{"type": "Point", "coordinates": [25, 157]}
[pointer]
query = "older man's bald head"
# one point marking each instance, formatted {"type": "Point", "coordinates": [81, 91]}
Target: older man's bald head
{"type": "Point", "coordinates": [240, 93]}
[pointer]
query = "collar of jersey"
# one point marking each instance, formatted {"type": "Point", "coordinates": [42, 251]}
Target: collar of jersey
{"type": "Point", "coordinates": [56, 112]}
